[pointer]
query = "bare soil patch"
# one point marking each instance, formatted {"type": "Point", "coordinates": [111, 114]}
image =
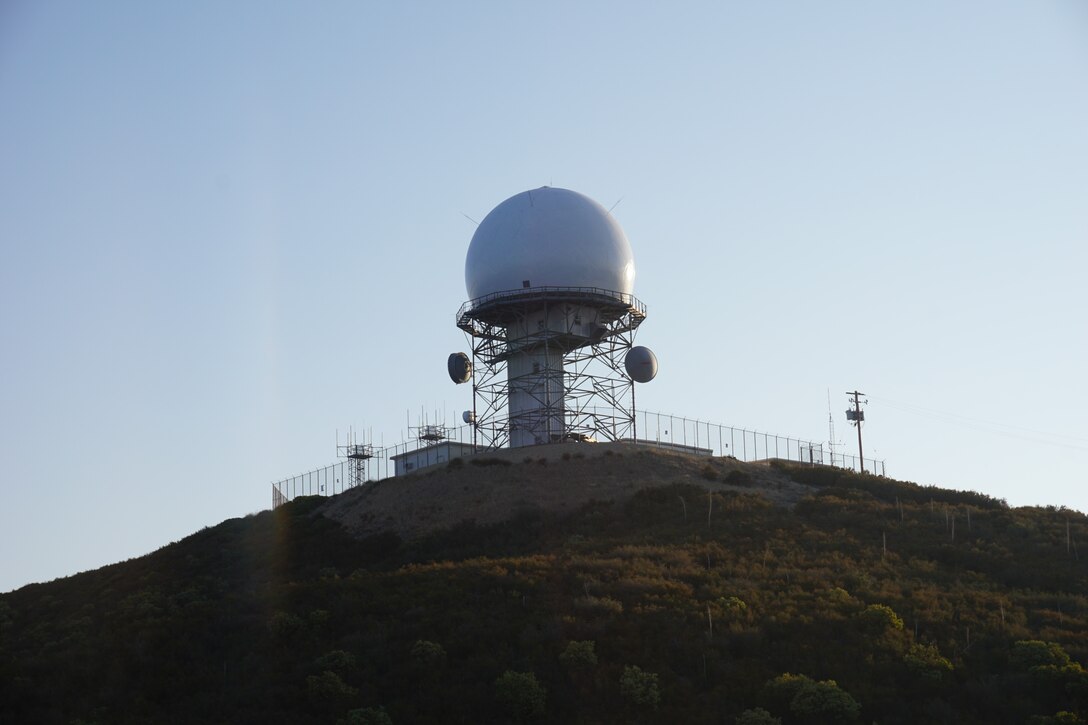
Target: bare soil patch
{"type": "Point", "coordinates": [493, 486]}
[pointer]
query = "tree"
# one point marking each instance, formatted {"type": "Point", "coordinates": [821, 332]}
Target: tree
{"type": "Point", "coordinates": [781, 690]}
{"type": "Point", "coordinates": [640, 687]}
{"type": "Point", "coordinates": [926, 661]}
{"type": "Point", "coordinates": [757, 716]}
{"type": "Point", "coordinates": [336, 660]}
{"type": "Point", "coordinates": [1056, 678]}
{"type": "Point", "coordinates": [579, 657]}
{"type": "Point", "coordinates": [368, 716]}
{"type": "Point", "coordinates": [825, 702]}
{"type": "Point", "coordinates": [521, 694]}
{"type": "Point", "coordinates": [284, 625]}
{"type": "Point", "coordinates": [1029, 654]}
{"type": "Point", "coordinates": [329, 687]}
{"type": "Point", "coordinates": [810, 701]}
{"type": "Point", "coordinates": [876, 619]}
{"type": "Point", "coordinates": [1059, 718]}
{"type": "Point", "coordinates": [427, 655]}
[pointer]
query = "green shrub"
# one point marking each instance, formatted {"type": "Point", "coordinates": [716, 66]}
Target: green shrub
{"type": "Point", "coordinates": [1059, 718]}
{"type": "Point", "coordinates": [926, 660]}
{"type": "Point", "coordinates": [579, 656]}
{"type": "Point", "coordinates": [328, 686]}
{"type": "Point", "coordinates": [811, 701]}
{"type": "Point", "coordinates": [427, 655]}
{"type": "Point", "coordinates": [639, 687]}
{"type": "Point", "coordinates": [738, 478]}
{"type": "Point", "coordinates": [520, 694]}
{"type": "Point", "coordinates": [368, 716]}
{"type": "Point", "coordinates": [1029, 654]}
{"type": "Point", "coordinates": [600, 605]}
{"type": "Point", "coordinates": [733, 604]}
{"type": "Point", "coordinates": [337, 660]}
{"type": "Point", "coordinates": [284, 625]}
{"type": "Point", "coordinates": [826, 702]}
{"type": "Point", "coordinates": [757, 716]}
{"type": "Point", "coordinates": [876, 619]}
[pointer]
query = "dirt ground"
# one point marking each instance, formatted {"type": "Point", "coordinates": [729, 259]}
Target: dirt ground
{"type": "Point", "coordinates": [553, 478]}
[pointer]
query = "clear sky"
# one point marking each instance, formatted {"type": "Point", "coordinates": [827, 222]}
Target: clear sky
{"type": "Point", "coordinates": [229, 229]}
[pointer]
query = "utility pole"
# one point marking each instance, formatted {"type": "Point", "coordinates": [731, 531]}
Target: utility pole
{"type": "Point", "coordinates": [856, 416]}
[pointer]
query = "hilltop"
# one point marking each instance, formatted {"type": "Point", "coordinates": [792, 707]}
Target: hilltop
{"type": "Point", "coordinates": [576, 584]}
{"type": "Point", "coordinates": [492, 487]}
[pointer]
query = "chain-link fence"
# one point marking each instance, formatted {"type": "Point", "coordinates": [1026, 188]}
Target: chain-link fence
{"type": "Point", "coordinates": [326, 481]}
{"type": "Point", "coordinates": [670, 431]}
{"type": "Point", "coordinates": [741, 443]}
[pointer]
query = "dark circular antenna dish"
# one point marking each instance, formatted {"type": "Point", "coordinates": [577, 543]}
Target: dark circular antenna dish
{"type": "Point", "coordinates": [469, 417]}
{"type": "Point", "coordinates": [460, 367]}
{"type": "Point", "coordinates": [641, 364]}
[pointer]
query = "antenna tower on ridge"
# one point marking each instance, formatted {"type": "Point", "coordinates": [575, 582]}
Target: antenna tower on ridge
{"type": "Point", "coordinates": [357, 454]}
{"type": "Point", "coordinates": [831, 443]}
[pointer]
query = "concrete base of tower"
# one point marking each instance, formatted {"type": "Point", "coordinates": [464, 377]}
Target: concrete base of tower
{"type": "Point", "coordinates": [536, 391]}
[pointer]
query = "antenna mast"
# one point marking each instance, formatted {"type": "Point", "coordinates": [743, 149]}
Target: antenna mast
{"type": "Point", "coordinates": [830, 428]}
{"type": "Point", "coordinates": [357, 454]}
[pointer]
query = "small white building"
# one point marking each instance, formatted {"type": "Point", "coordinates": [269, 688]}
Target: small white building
{"type": "Point", "coordinates": [432, 455]}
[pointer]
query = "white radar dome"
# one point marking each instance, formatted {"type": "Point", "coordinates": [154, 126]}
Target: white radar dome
{"type": "Point", "coordinates": [548, 238]}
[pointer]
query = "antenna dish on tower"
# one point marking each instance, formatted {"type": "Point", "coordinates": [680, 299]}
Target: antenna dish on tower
{"type": "Point", "coordinates": [641, 364]}
{"type": "Point", "coordinates": [459, 367]}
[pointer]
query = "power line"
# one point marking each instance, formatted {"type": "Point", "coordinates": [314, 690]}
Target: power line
{"type": "Point", "coordinates": [986, 426]}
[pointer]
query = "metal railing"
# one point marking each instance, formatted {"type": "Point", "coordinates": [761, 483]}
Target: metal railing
{"type": "Point", "coordinates": [529, 293]}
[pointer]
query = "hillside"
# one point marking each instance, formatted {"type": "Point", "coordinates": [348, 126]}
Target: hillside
{"type": "Point", "coordinates": [600, 584]}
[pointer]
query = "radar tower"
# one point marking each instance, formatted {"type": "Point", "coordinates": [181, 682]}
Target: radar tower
{"type": "Point", "coordinates": [551, 322]}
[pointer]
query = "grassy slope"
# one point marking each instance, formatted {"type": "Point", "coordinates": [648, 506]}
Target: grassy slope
{"type": "Point", "coordinates": [283, 617]}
